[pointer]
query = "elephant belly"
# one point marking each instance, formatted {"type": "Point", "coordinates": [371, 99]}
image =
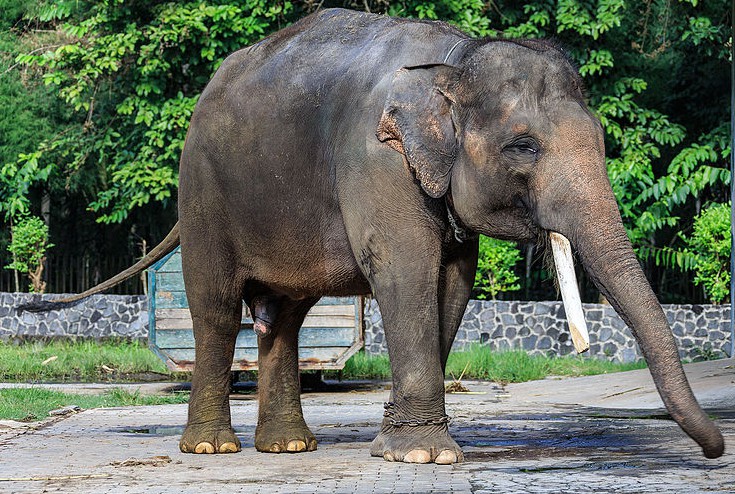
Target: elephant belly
{"type": "Point", "coordinates": [306, 265]}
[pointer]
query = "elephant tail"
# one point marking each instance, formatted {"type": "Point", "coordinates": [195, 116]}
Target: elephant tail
{"type": "Point", "coordinates": [156, 254]}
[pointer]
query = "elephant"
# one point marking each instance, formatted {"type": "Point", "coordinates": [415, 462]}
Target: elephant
{"type": "Point", "coordinates": [353, 153]}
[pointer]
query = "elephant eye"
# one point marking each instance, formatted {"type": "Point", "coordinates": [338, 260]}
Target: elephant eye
{"type": "Point", "coordinates": [525, 148]}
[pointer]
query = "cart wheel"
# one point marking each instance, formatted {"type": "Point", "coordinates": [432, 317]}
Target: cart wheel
{"type": "Point", "coordinates": [311, 380]}
{"type": "Point", "coordinates": [234, 379]}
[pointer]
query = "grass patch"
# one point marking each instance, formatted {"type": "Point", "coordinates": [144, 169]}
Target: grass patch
{"type": "Point", "coordinates": [30, 404]}
{"type": "Point", "coordinates": [364, 366]}
{"type": "Point", "coordinates": [512, 366]}
{"type": "Point", "coordinates": [516, 366]}
{"type": "Point", "coordinates": [82, 360]}
{"type": "Point", "coordinates": [115, 361]}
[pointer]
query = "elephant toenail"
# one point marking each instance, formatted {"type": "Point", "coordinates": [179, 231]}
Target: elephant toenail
{"type": "Point", "coordinates": [417, 456]}
{"type": "Point", "coordinates": [446, 457]}
{"type": "Point", "coordinates": [388, 456]}
{"type": "Point", "coordinates": [276, 448]}
{"type": "Point", "coordinates": [229, 447]}
{"type": "Point", "coordinates": [296, 446]}
{"type": "Point", "coordinates": [312, 445]}
{"type": "Point", "coordinates": [204, 447]}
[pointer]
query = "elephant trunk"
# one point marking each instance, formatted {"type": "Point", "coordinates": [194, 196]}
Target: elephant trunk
{"type": "Point", "coordinates": [608, 257]}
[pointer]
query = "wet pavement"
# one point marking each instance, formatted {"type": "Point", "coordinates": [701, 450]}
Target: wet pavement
{"type": "Point", "coordinates": [602, 434]}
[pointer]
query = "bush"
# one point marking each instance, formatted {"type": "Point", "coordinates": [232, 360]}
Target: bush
{"type": "Point", "coordinates": [495, 268]}
{"type": "Point", "coordinates": [28, 248]}
{"type": "Point", "coordinates": [710, 243]}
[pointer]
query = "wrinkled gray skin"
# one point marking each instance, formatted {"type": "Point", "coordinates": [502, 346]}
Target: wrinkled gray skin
{"type": "Point", "coordinates": [324, 160]}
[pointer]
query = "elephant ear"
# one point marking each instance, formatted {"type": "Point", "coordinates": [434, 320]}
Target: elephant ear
{"type": "Point", "coordinates": [417, 122]}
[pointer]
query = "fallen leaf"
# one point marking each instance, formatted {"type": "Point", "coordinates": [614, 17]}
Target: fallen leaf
{"type": "Point", "coordinates": [153, 461]}
{"type": "Point", "coordinates": [65, 410]}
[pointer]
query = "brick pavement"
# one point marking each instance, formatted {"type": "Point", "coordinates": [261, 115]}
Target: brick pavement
{"type": "Point", "coordinates": [530, 438]}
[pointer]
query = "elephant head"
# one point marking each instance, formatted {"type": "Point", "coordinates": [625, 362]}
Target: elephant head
{"type": "Point", "coordinates": [505, 134]}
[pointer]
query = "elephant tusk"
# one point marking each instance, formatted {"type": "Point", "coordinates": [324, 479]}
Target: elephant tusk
{"type": "Point", "coordinates": [569, 291]}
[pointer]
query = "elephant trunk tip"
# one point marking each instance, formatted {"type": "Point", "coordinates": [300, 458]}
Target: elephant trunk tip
{"type": "Point", "coordinates": [699, 427]}
{"type": "Point", "coordinates": [715, 447]}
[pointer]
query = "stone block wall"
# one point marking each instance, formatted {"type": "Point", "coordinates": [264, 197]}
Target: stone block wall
{"type": "Point", "coordinates": [99, 316]}
{"type": "Point", "coordinates": [701, 331]}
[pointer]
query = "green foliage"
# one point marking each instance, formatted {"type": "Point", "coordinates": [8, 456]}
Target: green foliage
{"type": "Point", "coordinates": [28, 247]}
{"type": "Point", "coordinates": [30, 241]}
{"type": "Point", "coordinates": [28, 111]}
{"type": "Point", "coordinates": [132, 73]}
{"type": "Point", "coordinates": [16, 179]}
{"type": "Point", "coordinates": [710, 242]}
{"type": "Point", "coordinates": [495, 268]}
{"type": "Point", "coordinates": [128, 75]}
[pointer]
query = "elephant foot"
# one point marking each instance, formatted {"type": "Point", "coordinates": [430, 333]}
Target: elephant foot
{"type": "Point", "coordinates": [284, 436]}
{"type": "Point", "coordinates": [413, 445]}
{"type": "Point", "coordinates": [209, 439]}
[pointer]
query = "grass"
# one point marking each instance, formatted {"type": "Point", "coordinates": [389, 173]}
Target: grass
{"type": "Point", "coordinates": [30, 404]}
{"type": "Point", "coordinates": [115, 361]}
{"type": "Point", "coordinates": [516, 366]}
{"type": "Point", "coordinates": [78, 360]}
{"type": "Point", "coordinates": [364, 366]}
{"type": "Point", "coordinates": [478, 362]}
{"type": "Point", "coordinates": [95, 361]}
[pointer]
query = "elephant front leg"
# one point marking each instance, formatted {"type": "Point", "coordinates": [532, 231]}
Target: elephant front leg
{"type": "Point", "coordinates": [281, 426]}
{"type": "Point", "coordinates": [209, 427]}
{"type": "Point", "coordinates": [455, 288]}
{"type": "Point", "coordinates": [415, 424]}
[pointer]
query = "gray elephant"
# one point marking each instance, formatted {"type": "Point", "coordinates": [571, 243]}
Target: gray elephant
{"type": "Point", "coordinates": [353, 153]}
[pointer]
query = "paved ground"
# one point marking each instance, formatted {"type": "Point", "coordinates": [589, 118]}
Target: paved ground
{"type": "Point", "coordinates": [605, 434]}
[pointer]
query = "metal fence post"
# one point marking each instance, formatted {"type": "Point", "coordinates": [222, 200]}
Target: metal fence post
{"type": "Point", "coordinates": [732, 180]}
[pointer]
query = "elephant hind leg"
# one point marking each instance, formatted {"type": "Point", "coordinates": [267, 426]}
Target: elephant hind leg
{"type": "Point", "coordinates": [216, 322]}
{"type": "Point", "coordinates": [281, 427]}
{"type": "Point", "coordinates": [214, 290]}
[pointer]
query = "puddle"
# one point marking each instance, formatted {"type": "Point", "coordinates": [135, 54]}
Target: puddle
{"type": "Point", "coordinates": [589, 467]}
{"type": "Point", "coordinates": [579, 414]}
{"type": "Point", "coordinates": [174, 430]}
{"type": "Point", "coordinates": [533, 459]}
{"type": "Point", "coordinates": [167, 430]}
{"type": "Point", "coordinates": [522, 453]}
{"type": "Point", "coordinates": [567, 433]}
{"type": "Point", "coordinates": [568, 443]}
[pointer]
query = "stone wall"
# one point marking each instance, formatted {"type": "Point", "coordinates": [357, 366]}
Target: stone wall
{"type": "Point", "coordinates": [99, 316]}
{"type": "Point", "coordinates": [701, 331]}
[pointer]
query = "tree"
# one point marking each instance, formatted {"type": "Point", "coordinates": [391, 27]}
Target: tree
{"type": "Point", "coordinates": [129, 74]}
{"type": "Point", "coordinates": [28, 247]}
{"type": "Point", "coordinates": [495, 268]}
{"type": "Point", "coordinates": [132, 73]}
